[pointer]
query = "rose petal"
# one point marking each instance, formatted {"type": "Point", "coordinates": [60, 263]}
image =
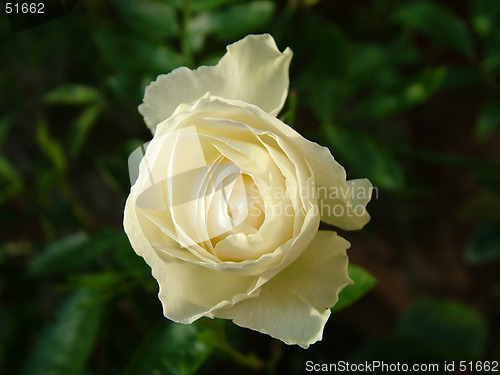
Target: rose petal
{"type": "Point", "coordinates": [326, 170]}
{"type": "Point", "coordinates": [336, 200]}
{"type": "Point", "coordinates": [347, 208]}
{"type": "Point", "coordinates": [294, 305]}
{"type": "Point", "coordinates": [253, 70]}
{"type": "Point", "coordinates": [188, 290]}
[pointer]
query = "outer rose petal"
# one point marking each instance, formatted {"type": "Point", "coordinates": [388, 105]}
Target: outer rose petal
{"type": "Point", "coordinates": [253, 70]}
{"type": "Point", "coordinates": [352, 206]}
{"type": "Point", "coordinates": [187, 291]}
{"type": "Point", "coordinates": [294, 305]}
{"type": "Point", "coordinates": [330, 177]}
{"type": "Point", "coordinates": [343, 203]}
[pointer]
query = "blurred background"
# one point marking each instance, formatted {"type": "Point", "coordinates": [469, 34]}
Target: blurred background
{"type": "Point", "coordinates": [406, 93]}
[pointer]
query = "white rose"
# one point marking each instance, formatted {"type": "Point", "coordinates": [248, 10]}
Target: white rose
{"type": "Point", "coordinates": [228, 200]}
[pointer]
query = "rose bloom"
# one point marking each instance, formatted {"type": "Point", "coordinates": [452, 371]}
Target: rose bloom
{"type": "Point", "coordinates": [225, 208]}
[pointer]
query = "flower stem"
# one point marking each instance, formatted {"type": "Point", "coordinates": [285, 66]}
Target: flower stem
{"type": "Point", "coordinates": [220, 341]}
{"type": "Point", "coordinates": [249, 360]}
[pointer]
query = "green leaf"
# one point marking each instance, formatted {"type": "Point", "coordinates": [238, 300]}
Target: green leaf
{"type": "Point", "coordinates": [130, 264]}
{"type": "Point", "coordinates": [363, 283]}
{"type": "Point", "coordinates": [491, 60]}
{"type": "Point", "coordinates": [56, 255]}
{"type": "Point", "coordinates": [81, 127]}
{"type": "Point", "coordinates": [460, 76]}
{"type": "Point", "coordinates": [486, 16]}
{"type": "Point", "coordinates": [130, 53]}
{"type": "Point", "coordinates": [73, 94]}
{"type": "Point", "coordinates": [199, 6]}
{"type": "Point", "coordinates": [448, 327]}
{"type": "Point", "coordinates": [73, 252]}
{"type": "Point", "coordinates": [485, 20]}
{"type": "Point", "coordinates": [126, 89]}
{"type": "Point", "coordinates": [173, 349]}
{"type": "Point", "coordinates": [239, 20]}
{"type": "Point", "coordinates": [323, 85]}
{"type": "Point", "coordinates": [488, 121]}
{"type": "Point", "coordinates": [154, 18]}
{"type": "Point", "coordinates": [96, 281]}
{"type": "Point", "coordinates": [437, 22]}
{"type": "Point", "coordinates": [365, 157]}
{"type": "Point", "coordinates": [371, 67]}
{"type": "Point", "coordinates": [484, 246]}
{"type": "Point", "coordinates": [10, 180]}
{"type": "Point", "coordinates": [423, 86]}
{"type": "Point", "coordinates": [415, 91]}
{"type": "Point", "coordinates": [333, 60]}
{"type": "Point", "coordinates": [115, 173]}
{"type": "Point", "coordinates": [324, 94]}
{"type": "Point", "coordinates": [229, 24]}
{"type": "Point", "coordinates": [51, 147]}
{"type": "Point", "coordinates": [65, 345]}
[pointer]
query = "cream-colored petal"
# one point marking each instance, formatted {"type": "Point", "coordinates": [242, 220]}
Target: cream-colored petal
{"type": "Point", "coordinates": [294, 305]}
{"type": "Point", "coordinates": [188, 290]}
{"type": "Point", "coordinates": [344, 205]}
{"type": "Point", "coordinates": [318, 159]}
{"type": "Point", "coordinates": [341, 203]}
{"type": "Point", "coordinates": [253, 70]}
{"type": "Point", "coordinates": [335, 193]}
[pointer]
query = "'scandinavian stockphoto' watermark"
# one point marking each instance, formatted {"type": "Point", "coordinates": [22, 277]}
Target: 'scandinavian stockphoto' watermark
{"type": "Point", "coordinates": [219, 180]}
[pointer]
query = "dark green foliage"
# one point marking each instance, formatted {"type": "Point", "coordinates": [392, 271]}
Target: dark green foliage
{"type": "Point", "coordinates": [366, 157]}
{"type": "Point", "coordinates": [228, 24]}
{"type": "Point", "coordinates": [65, 345]}
{"type": "Point", "coordinates": [74, 252]}
{"type": "Point", "coordinates": [173, 349]}
{"type": "Point", "coordinates": [430, 331]}
{"type": "Point", "coordinates": [484, 246]}
{"type": "Point", "coordinates": [445, 326]}
{"type": "Point", "coordinates": [363, 283]}
{"type": "Point", "coordinates": [405, 93]}
{"type": "Point", "coordinates": [152, 18]}
{"type": "Point", "coordinates": [437, 22]}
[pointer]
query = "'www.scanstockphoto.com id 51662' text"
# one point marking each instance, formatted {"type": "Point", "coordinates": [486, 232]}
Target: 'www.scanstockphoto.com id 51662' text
{"type": "Point", "coordinates": [399, 367]}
